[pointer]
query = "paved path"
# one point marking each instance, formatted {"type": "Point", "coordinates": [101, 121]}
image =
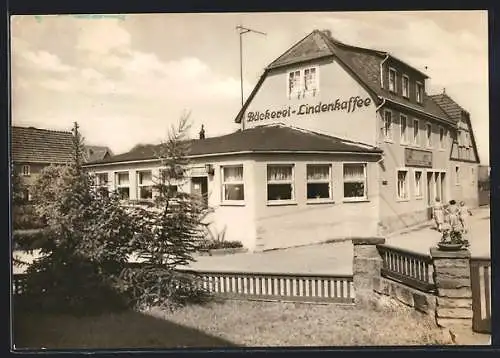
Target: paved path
{"type": "Point", "coordinates": [336, 258]}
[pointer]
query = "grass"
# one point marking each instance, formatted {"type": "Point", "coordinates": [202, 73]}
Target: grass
{"type": "Point", "coordinates": [233, 323]}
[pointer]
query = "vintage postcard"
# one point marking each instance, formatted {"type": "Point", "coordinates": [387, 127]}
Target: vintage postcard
{"type": "Point", "coordinates": [220, 180]}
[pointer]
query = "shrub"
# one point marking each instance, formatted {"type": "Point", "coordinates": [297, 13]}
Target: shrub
{"type": "Point", "coordinates": [28, 240]}
{"type": "Point", "coordinates": [215, 244]}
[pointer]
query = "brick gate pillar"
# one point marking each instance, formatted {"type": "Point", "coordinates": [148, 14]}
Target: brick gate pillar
{"type": "Point", "coordinates": [453, 284]}
{"type": "Point", "coordinates": [366, 266]}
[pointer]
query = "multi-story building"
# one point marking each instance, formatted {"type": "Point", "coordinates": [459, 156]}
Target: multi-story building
{"type": "Point", "coordinates": [335, 141]}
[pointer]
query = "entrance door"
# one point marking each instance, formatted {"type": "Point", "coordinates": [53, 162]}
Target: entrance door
{"type": "Point", "coordinates": [199, 187]}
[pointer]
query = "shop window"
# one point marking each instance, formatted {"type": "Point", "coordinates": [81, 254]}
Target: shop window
{"type": "Point", "coordinates": [232, 183]}
{"type": "Point", "coordinates": [318, 181]}
{"type": "Point", "coordinates": [403, 123]}
{"type": "Point", "coordinates": [428, 131]}
{"type": "Point", "coordinates": [123, 185]}
{"type": "Point", "coordinates": [441, 138]}
{"type": "Point", "coordinates": [355, 181]}
{"type": "Point", "coordinates": [402, 185]}
{"type": "Point", "coordinates": [145, 185]}
{"type": "Point", "coordinates": [416, 131]}
{"type": "Point", "coordinates": [418, 183]}
{"type": "Point", "coordinates": [420, 92]}
{"type": "Point", "coordinates": [387, 130]}
{"type": "Point", "coordinates": [405, 84]}
{"type": "Point", "coordinates": [280, 182]}
{"type": "Point", "coordinates": [26, 171]}
{"type": "Point", "coordinates": [457, 175]}
{"type": "Point", "coordinates": [392, 80]}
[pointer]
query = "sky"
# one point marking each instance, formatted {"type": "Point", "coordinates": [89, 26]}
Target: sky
{"type": "Point", "coordinates": [127, 78]}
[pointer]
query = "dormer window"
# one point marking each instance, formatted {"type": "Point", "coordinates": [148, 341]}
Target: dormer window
{"type": "Point", "coordinates": [392, 80]}
{"type": "Point", "coordinates": [302, 83]}
{"type": "Point", "coordinates": [405, 84]}
{"type": "Point", "coordinates": [420, 92]}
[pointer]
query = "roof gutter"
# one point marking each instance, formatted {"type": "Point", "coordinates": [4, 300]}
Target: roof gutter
{"type": "Point", "coordinates": [211, 155]}
{"type": "Point", "coordinates": [421, 111]}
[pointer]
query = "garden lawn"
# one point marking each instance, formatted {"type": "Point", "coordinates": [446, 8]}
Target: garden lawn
{"type": "Point", "coordinates": [233, 323]}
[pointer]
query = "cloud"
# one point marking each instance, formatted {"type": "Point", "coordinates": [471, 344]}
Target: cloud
{"type": "Point", "coordinates": [45, 61]}
{"type": "Point", "coordinates": [103, 37]}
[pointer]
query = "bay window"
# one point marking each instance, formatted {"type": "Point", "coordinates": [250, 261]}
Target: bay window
{"type": "Point", "coordinates": [144, 185]}
{"type": "Point", "coordinates": [232, 183]}
{"type": "Point", "coordinates": [280, 182]}
{"type": "Point", "coordinates": [355, 181]}
{"type": "Point", "coordinates": [318, 181]}
{"type": "Point", "coordinates": [123, 185]}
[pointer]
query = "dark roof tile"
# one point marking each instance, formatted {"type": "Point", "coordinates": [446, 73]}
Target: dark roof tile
{"type": "Point", "coordinates": [262, 139]}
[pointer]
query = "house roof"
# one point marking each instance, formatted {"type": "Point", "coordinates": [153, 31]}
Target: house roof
{"type": "Point", "coordinates": [95, 152]}
{"type": "Point", "coordinates": [452, 108]}
{"type": "Point", "coordinates": [37, 145]}
{"type": "Point", "coordinates": [363, 63]}
{"type": "Point", "coordinates": [261, 139]}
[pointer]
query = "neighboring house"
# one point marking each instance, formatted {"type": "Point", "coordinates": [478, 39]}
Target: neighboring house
{"type": "Point", "coordinates": [94, 152]}
{"type": "Point", "coordinates": [336, 141]}
{"type": "Point", "coordinates": [33, 149]}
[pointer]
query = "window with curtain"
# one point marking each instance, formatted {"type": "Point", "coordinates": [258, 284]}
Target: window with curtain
{"type": "Point", "coordinates": [310, 80]}
{"type": "Point", "coordinates": [406, 86]}
{"type": "Point", "coordinates": [123, 185]}
{"type": "Point", "coordinates": [402, 184]}
{"type": "Point", "coordinates": [145, 185]}
{"type": "Point", "coordinates": [319, 181]}
{"type": "Point", "coordinates": [420, 92]}
{"type": "Point", "coordinates": [403, 126]}
{"type": "Point", "coordinates": [293, 83]}
{"type": "Point", "coordinates": [392, 80]}
{"type": "Point", "coordinates": [387, 125]}
{"type": "Point", "coordinates": [355, 181]}
{"type": "Point", "coordinates": [418, 183]}
{"type": "Point", "coordinates": [280, 182]}
{"type": "Point", "coordinates": [233, 188]}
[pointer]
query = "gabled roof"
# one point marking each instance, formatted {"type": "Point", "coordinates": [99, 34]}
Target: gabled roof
{"type": "Point", "coordinates": [276, 138]}
{"type": "Point", "coordinates": [34, 145]}
{"type": "Point", "coordinates": [95, 152]}
{"type": "Point", "coordinates": [362, 63]}
{"type": "Point", "coordinates": [452, 108]}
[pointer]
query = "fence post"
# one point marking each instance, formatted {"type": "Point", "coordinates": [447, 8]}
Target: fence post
{"type": "Point", "coordinates": [453, 284]}
{"type": "Point", "coordinates": [366, 267]}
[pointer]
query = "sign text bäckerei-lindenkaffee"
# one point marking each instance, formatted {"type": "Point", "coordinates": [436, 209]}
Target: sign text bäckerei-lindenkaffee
{"type": "Point", "coordinates": [349, 106]}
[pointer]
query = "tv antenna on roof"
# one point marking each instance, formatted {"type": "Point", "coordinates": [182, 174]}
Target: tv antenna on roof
{"type": "Point", "coordinates": [243, 30]}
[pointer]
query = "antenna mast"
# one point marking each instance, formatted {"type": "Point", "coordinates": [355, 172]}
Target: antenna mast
{"type": "Point", "coordinates": [243, 30]}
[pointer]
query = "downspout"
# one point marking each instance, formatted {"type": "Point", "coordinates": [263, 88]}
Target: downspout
{"type": "Point", "coordinates": [382, 69]}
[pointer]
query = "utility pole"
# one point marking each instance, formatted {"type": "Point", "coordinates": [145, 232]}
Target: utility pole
{"type": "Point", "coordinates": [243, 30]}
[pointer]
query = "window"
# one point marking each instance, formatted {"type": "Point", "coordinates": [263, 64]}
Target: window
{"type": "Point", "coordinates": [26, 171]}
{"type": "Point", "coordinates": [392, 80]}
{"type": "Point", "coordinates": [102, 181]}
{"type": "Point", "coordinates": [387, 125]}
{"type": "Point", "coordinates": [467, 140]}
{"type": "Point", "coordinates": [467, 154]}
{"type": "Point", "coordinates": [402, 184]}
{"type": "Point", "coordinates": [405, 86]}
{"type": "Point", "coordinates": [418, 183]}
{"type": "Point", "coordinates": [441, 138]}
{"type": "Point", "coordinates": [164, 186]}
{"type": "Point", "coordinates": [318, 181]}
{"type": "Point", "coordinates": [310, 81]}
{"type": "Point", "coordinates": [232, 183]}
{"type": "Point", "coordinates": [420, 92]}
{"type": "Point", "coordinates": [303, 82]}
{"type": "Point", "coordinates": [145, 185]}
{"type": "Point", "coordinates": [280, 182]}
{"type": "Point", "coordinates": [415, 131]}
{"type": "Point", "coordinates": [457, 175]}
{"type": "Point", "coordinates": [355, 181]}
{"type": "Point", "coordinates": [123, 185]}
{"type": "Point", "coordinates": [403, 127]}
{"type": "Point", "coordinates": [472, 176]}
{"type": "Point", "coordinates": [429, 134]}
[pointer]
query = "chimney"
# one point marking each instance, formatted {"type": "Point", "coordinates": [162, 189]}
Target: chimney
{"type": "Point", "coordinates": [444, 90]}
{"type": "Point", "coordinates": [202, 132]}
{"type": "Point", "coordinates": [327, 32]}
